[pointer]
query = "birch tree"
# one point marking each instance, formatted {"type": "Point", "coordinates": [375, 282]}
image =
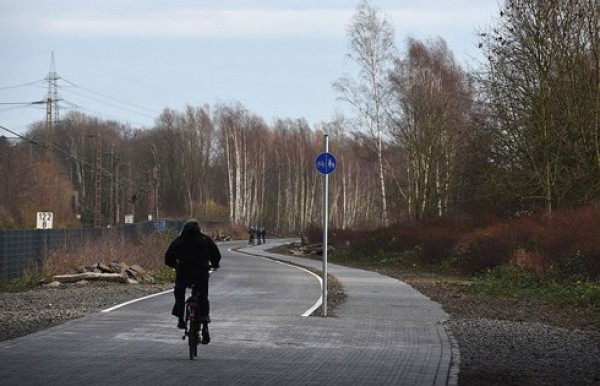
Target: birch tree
{"type": "Point", "coordinates": [297, 182]}
{"type": "Point", "coordinates": [371, 39]}
{"type": "Point", "coordinates": [433, 99]}
{"type": "Point", "coordinates": [243, 138]}
{"type": "Point", "coordinates": [196, 144]}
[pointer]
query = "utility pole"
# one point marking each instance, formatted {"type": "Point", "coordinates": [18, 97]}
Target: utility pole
{"type": "Point", "coordinates": [98, 183]}
{"type": "Point", "coordinates": [114, 187]}
{"type": "Point", "coordinates": [150, 196]}
{"type": "Point", "coordinates": [130, 199]}
{"type": "Point", "coordinates": [154, 184]}
{"type": "Point", "coordinates": [48, 129]}
{"type": "Point", "coordinates": [153, 194]}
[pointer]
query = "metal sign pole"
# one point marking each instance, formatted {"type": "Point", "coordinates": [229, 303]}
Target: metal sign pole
{"type": "Point", "coordinates": [325, 163]}
{"type": "Point", "coordinates": [325, 222]}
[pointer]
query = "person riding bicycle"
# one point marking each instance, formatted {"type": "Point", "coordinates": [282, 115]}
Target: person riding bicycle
{"type": "Point", "coordinates": [192, 254]}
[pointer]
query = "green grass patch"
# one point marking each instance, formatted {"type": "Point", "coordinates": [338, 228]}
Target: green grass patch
{"type": "Point", "coordinates": [21, 285]}
{"type": "Point", "coordinates": [164, 275]}
{"type": "Point", "coordinates": [409, 259]}
{"type": "Point", "coordinates": [521, 283]}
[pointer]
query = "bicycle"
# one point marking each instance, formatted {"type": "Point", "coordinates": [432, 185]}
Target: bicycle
{"type": "Point", "coordinates": [193, 325]}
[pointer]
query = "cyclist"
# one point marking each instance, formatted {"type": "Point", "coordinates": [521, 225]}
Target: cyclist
{"type": "Point", "coordinates": [192, 254]}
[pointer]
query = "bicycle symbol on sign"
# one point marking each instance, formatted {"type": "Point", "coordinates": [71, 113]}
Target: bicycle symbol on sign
{"type": "Point", "coordinates": [326, 163]}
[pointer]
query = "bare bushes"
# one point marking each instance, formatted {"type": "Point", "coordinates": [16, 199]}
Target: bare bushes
{"type": "Point", "coordinates": [568, 242]}
{"type": "Point", "coordinates": [147, 252]}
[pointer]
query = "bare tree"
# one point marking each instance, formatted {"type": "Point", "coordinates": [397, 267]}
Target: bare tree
{"type": "Point", "coordinates": [433, 99]}
{"type": "Point", "coordinates": [196, 145]}
{"type": "Point", "coordinates": [163, 151]}
{"type": "Point", "coordinates": [32, 185]}
{"type": "Point", "coordinates": [371, 49]}
{"type": "Point", "coordinates": [542, 85]}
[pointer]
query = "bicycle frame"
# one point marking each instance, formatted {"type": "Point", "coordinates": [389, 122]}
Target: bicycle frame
{"type": "Point", "coordinates": [192, 325]}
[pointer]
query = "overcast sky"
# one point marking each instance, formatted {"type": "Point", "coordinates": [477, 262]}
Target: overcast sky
{"type": "Point", "coordinates": [127, 60]}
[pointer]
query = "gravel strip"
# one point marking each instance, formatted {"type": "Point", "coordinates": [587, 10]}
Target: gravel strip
{"type": "Point", "coordinates": [27, 312]}
{"type": "Point", "coordinates": [506, 341]}
{"type": "Point", "coordinates": [497, 352]}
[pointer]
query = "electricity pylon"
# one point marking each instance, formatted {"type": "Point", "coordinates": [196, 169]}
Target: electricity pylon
{"type": "Point", "coordinates": [52, 100]}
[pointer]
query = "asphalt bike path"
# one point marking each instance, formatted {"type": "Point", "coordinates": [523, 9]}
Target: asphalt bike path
{"type": "Point", "coordinates": [385, 333]}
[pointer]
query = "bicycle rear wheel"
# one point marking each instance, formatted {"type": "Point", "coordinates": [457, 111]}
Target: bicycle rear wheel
{"type": "Point", "coordinates": [193, 340]}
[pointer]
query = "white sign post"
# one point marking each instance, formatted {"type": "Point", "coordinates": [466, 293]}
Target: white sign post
{"type": "Point", "coordinates": [44, 220]}
{"type": "Point", "coordinates": [326, 164]}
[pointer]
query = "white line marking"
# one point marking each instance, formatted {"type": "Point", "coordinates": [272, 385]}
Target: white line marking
{"type": "Point", "coordinates": [135, 300]}
{"type": "Point", "coordinates": [320, 301]}
{"type": "Point", "coordinates": [142, 298]}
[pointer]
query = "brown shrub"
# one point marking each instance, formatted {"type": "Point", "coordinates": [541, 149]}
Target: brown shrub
{"type": "Point", "coordinates": [569, 234]}
{"type": "Point", "coordinates": [482, 249]}
{"type": "Point", "coordinates": [569, 241]}
{"type": "Point", "coordinates": [312, 234]}
{"type": "Point", "coordinates": [437, 239]}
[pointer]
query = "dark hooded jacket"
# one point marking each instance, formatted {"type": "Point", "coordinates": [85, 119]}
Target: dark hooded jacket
{"type": "Point", "coordinates": [192, 254]}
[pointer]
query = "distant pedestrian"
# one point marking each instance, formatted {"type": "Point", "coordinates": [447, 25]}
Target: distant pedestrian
{"type": "Point", "coordinates": [257, 235]}
{"type": "Point", "coordinates": [251, 232]}
{"type": "Point", "coordinates": [263, 235]}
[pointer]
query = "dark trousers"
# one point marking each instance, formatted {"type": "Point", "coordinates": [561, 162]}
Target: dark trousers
{"type": "Point", "coordinates": [200, 289]}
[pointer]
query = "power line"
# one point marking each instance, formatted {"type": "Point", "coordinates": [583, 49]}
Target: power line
{"type": "Point", "coordinates": [21, 103]}
{"type": "Point", "coordinates": [111, 98]}
{"type": "Point", "coordinates": [21, 85]}
{"type": "Point", "coordinates": [15, 107]}
{"type": "Point", "coordinates": [110, 104]}
{"type": "Point", "coordinates": [53, 85]}
{"type": "Point", "coordinates": [20, 136]}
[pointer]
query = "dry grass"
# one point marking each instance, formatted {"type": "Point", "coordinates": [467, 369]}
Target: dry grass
{"type": "Point", "coordinates": [147, 251]}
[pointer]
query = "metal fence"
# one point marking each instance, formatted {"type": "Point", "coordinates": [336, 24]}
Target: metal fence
{"type": "Point", "coordinates": [25, 249]}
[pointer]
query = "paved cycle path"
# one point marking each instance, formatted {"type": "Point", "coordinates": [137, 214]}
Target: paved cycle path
{"type": "Point", "coordinates": [386, 333]}
{"type": "Point", "coordinates": [389, 333]}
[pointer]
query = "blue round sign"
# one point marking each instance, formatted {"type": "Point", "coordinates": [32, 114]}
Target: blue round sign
{"type": "Point", "coordinates": [325, 163]}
